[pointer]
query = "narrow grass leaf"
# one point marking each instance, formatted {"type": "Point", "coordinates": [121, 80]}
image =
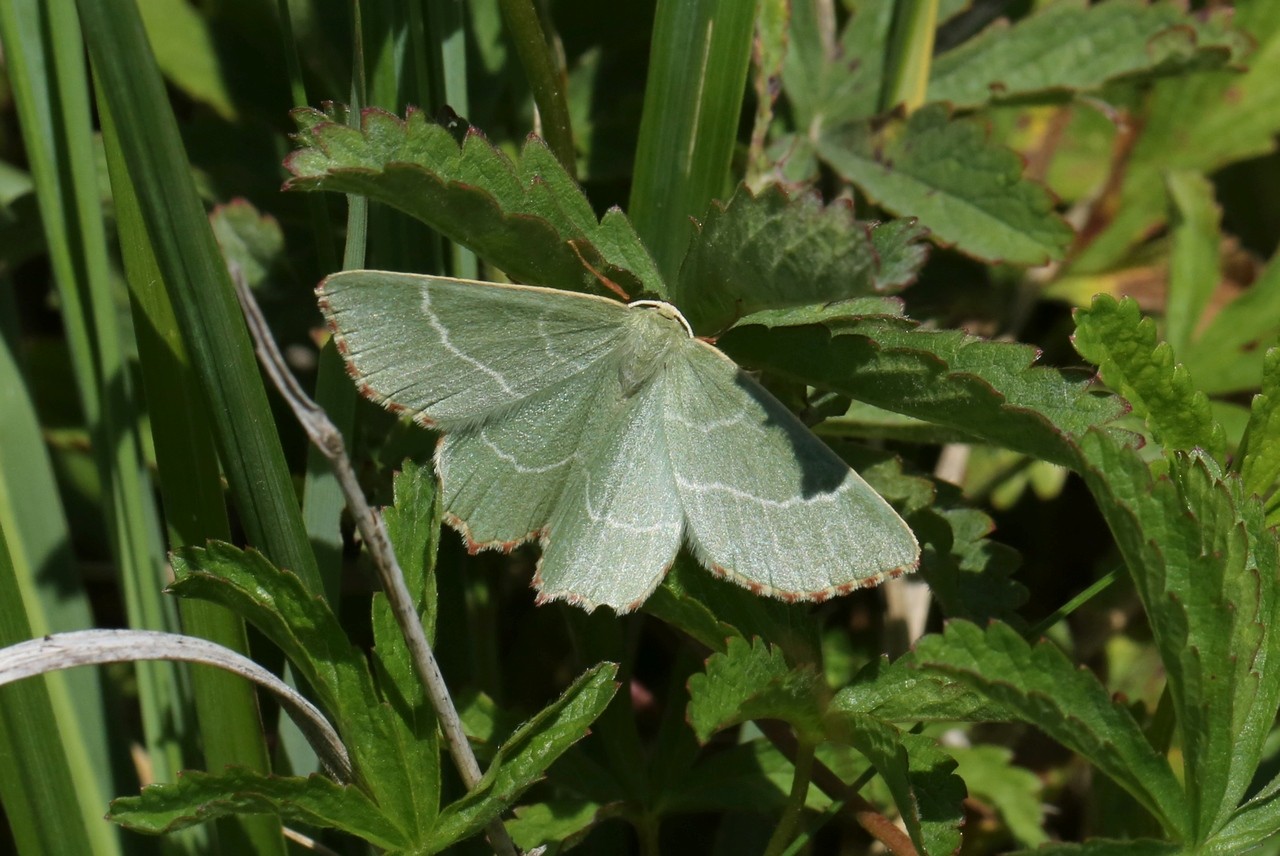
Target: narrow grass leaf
{"type": "Point", "coordinates": [192, 496]}
{"type": "Point", "coordinates": [202, 296]}
{"type": "Point", "coordinates": [1115, 337]}
{"type": "Point", "coordinates": [52, 798]}
{"type": "Point", "coordinates": [692, 104]}
{"type": "Point", "coordinates": [44, 593]}
{"type": "Point", "coordinates": [1040, 686]}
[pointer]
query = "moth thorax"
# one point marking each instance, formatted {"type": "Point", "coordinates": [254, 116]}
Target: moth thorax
{"type": "Point", "coordinates": [652, 332]}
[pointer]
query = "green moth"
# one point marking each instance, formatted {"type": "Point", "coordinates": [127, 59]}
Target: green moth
{"type": "Point", "coordinates": [610, 433]}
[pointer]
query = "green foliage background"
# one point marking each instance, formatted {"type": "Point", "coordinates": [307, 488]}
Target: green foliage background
{"type": "Point", "coordinates": [898, 213]}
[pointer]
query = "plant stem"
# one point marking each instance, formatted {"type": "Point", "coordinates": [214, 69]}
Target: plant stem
{"type": "Point", "coordinates": [1072, 605]}
{"type": "Point", "coordinates": [372, 528]}
{"type": "Point", "coordinates": [864, 813]}
{"type": "Point", "coordinates": [790, 820]}
{"type": "Point", "coordinates": [545, 78]}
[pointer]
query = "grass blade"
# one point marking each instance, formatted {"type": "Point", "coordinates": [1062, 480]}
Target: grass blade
{"type": "Point", "coordinates": [202, 296]}
{"type": "Point", "coordinates": [693, 97]}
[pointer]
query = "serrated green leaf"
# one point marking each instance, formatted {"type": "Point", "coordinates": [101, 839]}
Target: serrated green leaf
{"type": "Point", "coordinates": [1015, 792]}
{"type": "Point", "coordinates": [897, 692]}
{"type": "Point", "coordinates": [968, 574]}
{"type": "Point", "coordinates": [1073, 46]}
{"type": "Point", "coordinates": [1254, 822]}
{"type": "Point", "coordinates": [413, 525]}
{"type": "Point", "coordinates": [1205, 566]}
{"type": "Point", "coordinates": [987, 390]}
{"type": "Point", "coordinates": [527, 217]}
{"type": "Point", "coordinates": [1039, 685]}
{"type": "Point", "coordinates": [306, 630]}
{"type": "Point", "coordinates": [1198, 122]}
{"type": "Point", "coordinates": [752, 680]}
{"type": "Point", "coordinates": [1116, 338]}
{"type": "Point", "coordinates": [704, 606]}
{"type": "Point", "coordinates": [1260, 450]}
{"type": "Point", "coordinates": [917, 773]}
{"type": "Point", "coordinates": [770, 251]}
{"type": "Point", "coordinates": [524, 757]}
{"type": "Point", "coordinates": [198, 797]}
{"type": "Point", "coordinates": [1227, 356]}
{"type": "Point", "coordinates": [966, 189]}
{"type": "Point", "coordinates": [251, 242]}
{"type": "Point", "coordinates": [835, 81]}
{"type": "Point", "coordinates": [562, 823]}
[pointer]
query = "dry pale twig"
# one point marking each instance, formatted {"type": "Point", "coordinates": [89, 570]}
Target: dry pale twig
{"type": "Point", "coordinates": [322, 432]}
{"type": "Point", "coordinates": [98, 647]}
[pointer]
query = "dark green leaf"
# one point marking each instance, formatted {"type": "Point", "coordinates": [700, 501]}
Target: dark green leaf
{"type": "Point", "coordinates": [1115, 337]}
{"type": "Point", "coordinates": [306, 630]}
{"type": "Point", "coordinates": [1260, 450]}
{"type": "Point", "coordinates": [753, 680]}
{"type": "Point", "coordinates": [968, 573]}
{"type": "Point", "coordinates": [1039, 685]}
{"type": "Point", "coordinates": [1077, 47]}
{"type": "Point", "coordinates": [988, 390]}
{"type": "Point", "coordinates": [917, 773]}
{"type": "Point", "coordinates": [1205, 566]}
{"type": "Point", "coordinates": [769, 251]}
{"type": "Point", "coordinates": [527, 217]}
{"type": "Point", "coordinates": [712, 610]}
{"type": "Point", "coordinates": [560, 823]}
{"type": "Point", "coordinates": [1228, 354]}
{"type": "Point", "coordinates": [525, 756]}
{"type": "Point", "coordinates": [966, 189]}
{"type": "Point", "coordinates": [1199, 122]}
{"type": "Point", "coordinates": [198, 797]}
{"type": "Point", "coordinates": [251, 242]}
{"type": "Point", "coordinates": [1014, 791]}
{"type": "Point", "coordinates": [1254, 822]}
{"type": "Point", "coordinates": [413, 525]}
{"type": "Point", "coordinates": [897, 692]}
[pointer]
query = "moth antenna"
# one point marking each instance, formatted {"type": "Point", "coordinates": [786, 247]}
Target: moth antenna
{"type": "Point", "coordinates": [668, 308]}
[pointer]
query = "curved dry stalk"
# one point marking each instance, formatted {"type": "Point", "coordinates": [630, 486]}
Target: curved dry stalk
{"type": "Point", "coordinates": [326, 437]}
{"type": "Point", "coordinates": [99, 647]}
